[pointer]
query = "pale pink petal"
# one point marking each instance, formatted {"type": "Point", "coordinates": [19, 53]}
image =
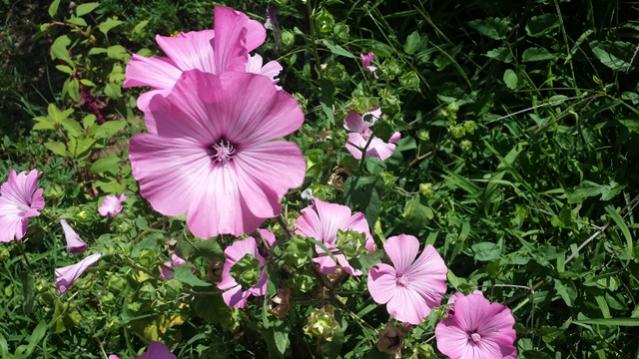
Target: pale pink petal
{"type": "Point", "coordinates": [395, 137]}
{"type": "Point", "coordinates": [380, 149]}
{"type": "Point", "coordinates": [235, 297]}
{"type": "Point", "coordinates": [157, 350]}
{"type": "Point", "coordinates": [402, 250]}
{"type": "Point", "coordinates": [427, 276]}
{"type": "Point", "coordinates": [407, 306]}
{"type": "Point", "coordinates": [156, 72]}
{"type": "Point", "coordinates": [267, 236]}
{"type": "Point", "coordinates": [308, 224]}
{"type": "Point", "coordinates": [143, 105]}
{"type": "Point", "coordinates": [176, 260]}
{"type": "Point", "coordinates": [66, 276]}
{"type": "Point", "coordinates": [343, 262]}
{"type": "Point", "coordinates": [190, 51]}
{"type": "Point", "coordinates": [74, 243]}
{"type": "Point", "coordinates": [381, 282]}
{"type": "Point", "coordinates": [271, 70]}
{"type": "Point", "coordinates": [333, 218]}
{"type": "Point", "coordinates": [231, 53]}
{"type": "Point", "coordinates": [451, 339]}
{"type": "Point", "coordinates": [113, 356]}
{"type": "Point", "coordinates": [111, 206]}
{"type": "Point", "coordinates": [326, 264]}
{"type": "Point", "coordinates": [355, 123]}
{"type": "Point", "coordinates": [20, 199]}
{"type": "Point", "coordinates": [355, 143]}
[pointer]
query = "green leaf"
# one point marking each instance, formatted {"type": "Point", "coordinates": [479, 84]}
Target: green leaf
{"type": "Point", "coordinates": [631, 124]}
{"type": "Point", "coordinates": [109, 24]}
{"type": "Point", "coordinates": [72, 126]}
{"type": "Point", "coordinates": [361, 194]}
{"type": "Point", "coordinates": [486, 251]}
{"type": "Point", "coordinates": [72, 87]}
{"type": "Point", "coordinates": [59, 49]}
{"type": "Point", "coordinates": [106, 165]}
{"type": "Point", "coordinates": [502, 54]}
{"type": "Point", "coordinates": [64, 68]}
{"type": "Point", "coordinates": [108, 129]}
{"type": "Point", "coordinates": [281, 341]}
{"type": "Point", "coordinates": [614, 54]}
{"type": "Point", "coordinates": [86, 8]}
{"type": "Point", "coordinates": [337, 50]}
{"type": "Point", "coordinates": [510, 79]}
{"type": "Point", "coordinates": [567, 293]}
{"type": "Point", "coordinates": [542, 24]}
{"type": "Point", "coordinates": [611, 322]}
{"type": "Point", "coordinates": [612, 213]}
{"type": "Point", "coordinates": [117, 52]}
{"type": "Point", "coordinates": [36, 336]}
{"type": "Point", "coordinates": [186, 276]}
{"type": "Point", "coordinates": [536, 54]}
{"type": "Point", "coordinates": [53, 8]}
{"type": "Point", "coordinates": [113, 90]}
{"type": "Point", "coordinates": [414, 43]}
{"type": "Point", "coordinates": [76, 21]}
{"type": "Point", "coordinates": [492, 27]}
{"type": "Point", "coordinates": [57, 148]}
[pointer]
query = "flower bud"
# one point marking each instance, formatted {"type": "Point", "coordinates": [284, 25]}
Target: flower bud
{"type": "Point", "coordinates": [470, 126]}
{"type": "Point", "coordinates": [466, 145]}
{"type": "Point", "coordinates": [423, 135]}
{"type": "Point", "coordinates": [426, 189]}
{"type": "Point", "coordinates": [351, 243]}
{"type": "Point", "coordinates": [457, 131]}
{"type": "Point", "coordinates": [246, 271]}
{"type": "Point", "coordinates": [321, 323]}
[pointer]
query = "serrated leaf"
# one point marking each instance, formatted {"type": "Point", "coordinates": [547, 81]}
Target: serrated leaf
{"type": "Point", "coordinates": [117, 52]}
{"type": "Point", "coordinates": [413, 43]}
{"type": "Point", "coordinates": [108, 129]}
{"type": "Point", "coordinates": [86, 8]}
{"type": "Point", "coordinates": [184, 275]}
{"type": "Point", "coordinates": [72, 126]}
{"type": "Point", "coordinates": [109, 24]}
{"type": "Point", "coordinates": [510, 79]}
{"type": "Point", "coordinates": [57, 148]}
{"type": "Point", "coordinates": [106, 165]}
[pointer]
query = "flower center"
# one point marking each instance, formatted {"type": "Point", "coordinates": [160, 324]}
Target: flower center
{"type": "Point", "coordinates": [475, 337]}
{"type": "Point", "coordinates": [222, 151]}
{"type": "Point", "coordinates": [401, 279]}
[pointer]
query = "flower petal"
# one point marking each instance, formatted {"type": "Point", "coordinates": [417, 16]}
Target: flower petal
{"type": "Point", "coordinates": [231, 52]}
{"type": "Point", "coordinates": [382, 281]}
{"type": "Point", "coordinates": [354, 122]}
{"type": "Point", "coordinates": [74, 243]}
{"type": "Point", "coordinates": [190, 51]}
{"type": "Point", "coordinates": [407, 306]}
{"type": "Point", "coordinates": [402, 250]}
{"type": "Point", "coordinates": [427, 276]}
{"type": "Point", "coordinates": [451, 339]}
{"type": "Point", "coordinates": [156, 72]}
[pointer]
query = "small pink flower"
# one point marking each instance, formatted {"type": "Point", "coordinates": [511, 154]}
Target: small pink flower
{"type": "Point", "coordinates": [166, 269]}
{"type": "Point", "coordinates": [226, 48]}
{"type": "Point", "coordinates": [476, 329]}
{"type": "Point", "coordinates": [233, 294]}
{"type": "Point", "coordinates": [74, 243]}
{"type": "Point", "coordinates": [367, 61]}
{"type": "Point", "coordinates": [157, 350]}
{"type": "Point", "coordinates": [113, 356]}
{"type": "Point", "coordinates": [413, 286]}
{"type": "Point", "coordinates": [217, 154]}
{"type": "Point", "coordinates": [66, 276]}
{"type": "Point", "coordinates": [322, 221]}
{"type": "Point", "coordinates": [360, 135]}
{"type": "Point", "coordinates": [111, 205]}
{"type": "Point", "coordinates": [20, 199]}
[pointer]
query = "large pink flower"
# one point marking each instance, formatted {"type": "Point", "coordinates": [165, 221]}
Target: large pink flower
{"type": "Point", "coordinates": [66, 276]}
{"type": "Point", "coordinates": [413, 286]}
{"type": "Point", "coordinates": [215, 154]}
{"type": "Point", "coordinates": [234, 295]}
{"type": "Point", "coordinates": [75, 244]}
{"type": "Point", "coordinates": [476, 329]}
{"type": "Point", "coordinates": [226, 48]}
{"type": "Point", "coordinates": [157, 350]}
{"type": "Point", "coordinates": [322, 221]}
{"type": "Point", "coordinates": [20, 199]}
{"type": "Point", "coordinates": [360, 135]}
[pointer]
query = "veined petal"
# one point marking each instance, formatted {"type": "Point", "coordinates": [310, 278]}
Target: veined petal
{"type": "Point", "coordinates": [451, 339]}
{"type": "Point", "coordinates": [382, 281]}
{"type": "Point", "coordinates": [156, 72]}
{"type": "Point", "coordinates": [231, 47]}
{"type": "Point", "coordinates": [407, 306]}
{"type": "Point", "coordinates": [190, 51]}
{"type": "Point", "coordinates": [402, 250]}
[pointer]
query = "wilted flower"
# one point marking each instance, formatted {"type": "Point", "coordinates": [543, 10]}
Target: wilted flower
{"type": "Point", "coordinates": [66, 276]}
{"type": "Point", "coordinates": [226, 48]}
{"type": "Point", "coordinates": [216, 154]}
{"type": "Point", "coordinates": [323, 221]}
{"type": "Point", "coordinates": [281, 303]}
{"type": "Point", "coordinates": [361, 137]}
{"type": "Point", "coordinates": [166, 268]}
{"type": "Point", "coordinates": [157, 350]}
{"type": "Point", "coordinates": [111, 205]}
{"type": "Point", "coordinates": [74, 243]}
{"type": "Point", "coordinates": [476, 329]}
{"type": "Point", "coordinates": [391, 339]}
{"type": "Point", "coordinates": [413, 285]}
{"type": "Point", "coordinates": [20, 199]}
{"type": "Point", "coordinates": [243, 274]}
{"type": "Point", "coordinates": [367, 61]}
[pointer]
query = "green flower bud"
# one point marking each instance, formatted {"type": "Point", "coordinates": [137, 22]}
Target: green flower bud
{"type": "Point", "coordinates": [82, 216]}
{"type": "Point", "coordinates": [457, 131]}
{"type": "Point", "coordinates": [410, 81]}
{"type": "Point", "coordinates": [287, 38]}
{"type": "Point", "coordinates": [246, 271]}
{"type": "Point", "coordinates": [453, 107]}
{"type": "Point", "coordinates": [4, 253]}
{"type": "Point", "coordinates": [470, 126]}
{"type": "Point", "coordinates": [54, 191]}
{"type": "Point", "coordinates": [423, 135]}
{"type": "Point", "coordinates": [351, 243]}
{"type": "Point", "coordinates": [324, 22]}
{"type": "Point", "coordinates": [321, 323]}
{"type": "Point", "coordinates": [426, 189]}
{"type": "Point", "coordinates": [466, 145]}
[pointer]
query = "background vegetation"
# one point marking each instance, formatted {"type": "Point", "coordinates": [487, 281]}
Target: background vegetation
{"type": "Point", "coordinates": [518, 162]}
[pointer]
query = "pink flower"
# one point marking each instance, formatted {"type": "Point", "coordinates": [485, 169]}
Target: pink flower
{"type": "Point", "coordinates": [413, 286]}
{"type": "Point", "coordinates": [74, 243]}
{"type": "Point", "coordinates": [322, 221]}
{"type": "Point", "coordinates": [367, 61]}
{"type": "Point", "coordinates": [166, 269]}
{"type": "Point", "coordinates": [216, 155]}
{"type": "Point", "coordinates": [66, 276]}
{"type": "Point", "coordinates": [360, 135]}
{"type": "Point", "coordinates": [20, 199]}
{"type": "Point", "coordinates": [235, 296]}
{"type": "Point", "coordinates": [237, 35]}
{"type": "Point", "coordinates": [477, 329]}
{"type": "Point", "coordinates": [111, 205]}
{"type": "Point", "coordinates": [113, 356]}
{"type": "Point", "coordinates": [157, 350]}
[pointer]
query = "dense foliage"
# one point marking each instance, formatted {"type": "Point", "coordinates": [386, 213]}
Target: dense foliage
{"type": "Point", "coordinates": [518, 162]}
